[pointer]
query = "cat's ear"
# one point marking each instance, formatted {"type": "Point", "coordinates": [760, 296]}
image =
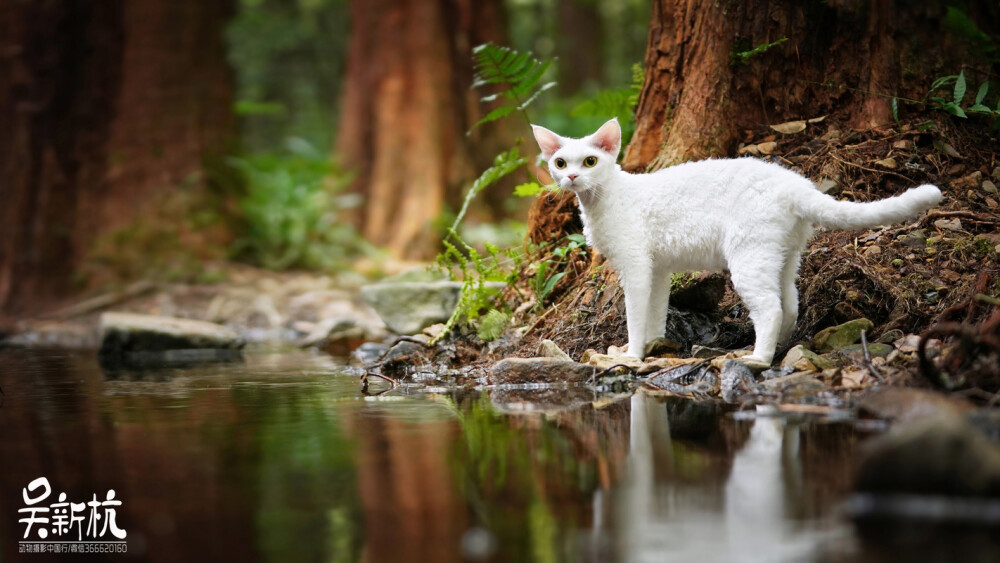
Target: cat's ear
{"type": "Point", "coordinates": [548, 141]}
{"type": "Point", "coordinates": [609, 137]}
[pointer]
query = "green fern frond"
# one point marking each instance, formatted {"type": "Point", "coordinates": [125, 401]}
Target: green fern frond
{"type": "Point", "coordinates": [492, 325]}
{"type": "Point", "coordinates": [503, 164]}
{"type": "Point", "coordinates": [517, 74]}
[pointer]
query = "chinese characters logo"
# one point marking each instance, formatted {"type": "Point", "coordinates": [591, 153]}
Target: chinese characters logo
{"type": "Point", "coordinates": [69, 526]}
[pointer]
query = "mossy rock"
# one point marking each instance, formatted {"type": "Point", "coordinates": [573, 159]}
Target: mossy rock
{"type": "Point", "coordinates": [841, 336]}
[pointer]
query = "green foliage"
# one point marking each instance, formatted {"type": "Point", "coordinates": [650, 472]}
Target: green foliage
{"type": "Point", "coordinates": [290, 208]}
{"type": "Point", "coordinates": [955, 103]}
{"type": "Point", "coordinates": [492, 325]}
{"type": "Point", "coordinates": [517, 77]}
{"type": "Point", "coordinates": [542, 283]}
{"type": "Point", "coordinates": [288, 61]}
{"type": "Point", "coordinates": [740, 58]}
{"type": "Point", "coordinates": [530, 189]}
{"type": "Point", "coordinates": [960, 24]}
{"type": "Point", "coordinates": [619, 103]}
{"type": "Point", "coordinates": [503, 164]}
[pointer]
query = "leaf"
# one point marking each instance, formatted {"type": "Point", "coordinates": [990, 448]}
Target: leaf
{"type": "Point", "coordinates": [550, 284]}
{"type": "Point", "coordinates": [577, 238]}
{"type": "Point", "coordinates": [816, 119]}
{"type": "Point", "coordinates": [529, 189]}
{"type": "Point", "coordinates": [943, 81]}
{"type": "Point", "coordinates": [492, 325]}
{"type": "Point", "coordinates": [503, 164]}
{"type": "Point", "coordinates": [978, 108]}
{"type": "Point", "coordinates": [790, 127]}
{"type": "Point", "coordinates": [954, 109]}
{"type": "Point", "coordinates": [981, 94]}
{"type": "Point", "coordinates": [895, 110]}
{"type": "Point", "coordinates": [946, 149]}
{"type": "Point", "coordinates": [960, 90]}
{"type": "Point", "coordinates": [517, 75]}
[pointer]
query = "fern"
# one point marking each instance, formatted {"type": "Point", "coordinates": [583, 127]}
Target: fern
{"type": "Point", "coordinates": [619, 103]}
{"type": "Point", "coordinates": [503, 164]}
{"type": "Point", "coordinates": [517, 74]}
{"type": "Point", "coordinates": [492, 325]}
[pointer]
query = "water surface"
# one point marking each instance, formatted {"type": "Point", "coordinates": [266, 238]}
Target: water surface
{"type": "Point", "coordinates": [281, 458]}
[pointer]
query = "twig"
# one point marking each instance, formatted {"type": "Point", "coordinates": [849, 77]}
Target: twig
{"type": "Point", "coordinates": [868, 357]}
{"type": "Point", "coordinates": [835, 157]}
{"type": "Point", "coordinates": [364, 381]}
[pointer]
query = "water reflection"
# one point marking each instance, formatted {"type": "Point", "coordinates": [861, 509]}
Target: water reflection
{"type": "Point", "coordinates": [280, 458]}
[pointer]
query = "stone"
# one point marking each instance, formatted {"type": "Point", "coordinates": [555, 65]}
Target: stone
{"type": "Point", "coordinates": [796, 380]}
{"type": "Point", "coordinates": [904, 404]}
{"type": "Point", "coordinates": [799, 353]}
{"type": "Point", "coordinates": [605, 361]}
{"type": "Point", "coordinates": [735, 380]}
{"type": "Point", "coordinates": [404, 355]}
{"type": "Point", "coordinates": [130, 332]}
{"type": "Point", "coordinates": [707, 352]}
{"type": "Point", "coordinates": [949, 224]}
{"type": "Point", "coordinates": [827, 185]}
{"type": "Point", "coordinates": [409, 307]}
{"type": "Point", "coordinates": [661, 346]}
{"type": "Point", "coordinates": [835, 337]}
{"type": "Point", "coordinates": [549, 349]}
{"type": "Point", "coordinates": [539, 370]}
{"type": "Point", "coordinates": [876, 349]}
{"type": "Point", "coordinates": [970, 181]}
{"type": "Point", "coordinates": [914, 239]}
{"type": "Point", "coordinates": [989, 187]}
{"type": "Point", "coordinates": [935, 455]}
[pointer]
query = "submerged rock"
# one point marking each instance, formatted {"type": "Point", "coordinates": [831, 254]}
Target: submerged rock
{"type": "Point", "coordinates": [736, 380]}
{"type": "Point", "coordinates": [834, 337]}
{"type": "Point", "coordinates": [936, 455]}
{"type": "Point", "coordinates": [129, 332]}
{"type": "Point", "coordinates": [539, 370]}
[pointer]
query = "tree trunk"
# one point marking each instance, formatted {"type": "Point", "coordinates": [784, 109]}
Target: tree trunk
{"type": "Point", "coordinates": [405, 111]}
{"type": "Point", "coordinates": [580, 46]}
{"type": "Point", "coordinates": [101, 104]}
{"type": "Point", "coordinates": [700, 95]}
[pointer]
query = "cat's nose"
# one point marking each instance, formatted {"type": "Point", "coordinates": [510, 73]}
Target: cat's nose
{"type": "Point", "coordinates": [572, 177]}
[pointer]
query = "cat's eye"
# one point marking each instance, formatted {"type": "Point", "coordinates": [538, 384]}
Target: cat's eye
{"type": "Point", "coordinates": [590, 161]}
{"type": "Point", "coordinates": [560, 163]}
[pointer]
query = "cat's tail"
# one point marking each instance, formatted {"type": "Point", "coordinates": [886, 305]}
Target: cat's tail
{"type": "Point", "coordinates": [827, 212]}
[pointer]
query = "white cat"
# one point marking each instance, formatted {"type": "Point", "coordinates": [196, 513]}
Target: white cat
{"type": "Point", "coordinates": [745, 215]}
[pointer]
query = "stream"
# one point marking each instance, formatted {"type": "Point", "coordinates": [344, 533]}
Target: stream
{"type": "Point", "coordinates": [280, 457]}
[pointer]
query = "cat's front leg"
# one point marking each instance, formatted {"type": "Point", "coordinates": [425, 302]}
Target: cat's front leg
{"type": "Point", "coordinates": [637, 283]}
{"type": "Point", "coordinates": [659, 303]}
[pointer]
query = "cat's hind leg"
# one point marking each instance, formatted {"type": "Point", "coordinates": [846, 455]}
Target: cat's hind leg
{"type": "Point", "coordinates": [659, 302]}
{"type": "Point", "coordinates": [757, 281]}
{"type": "Point", "coordinates": [789, 273]}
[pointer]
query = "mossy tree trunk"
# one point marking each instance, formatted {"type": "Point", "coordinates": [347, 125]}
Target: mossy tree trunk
{"type": "Point", "coordinates": [405, 110]}
{"type": "Point", "coordinates": [102, 104]}
{"type": "Point", "coordinates": [700, 94]}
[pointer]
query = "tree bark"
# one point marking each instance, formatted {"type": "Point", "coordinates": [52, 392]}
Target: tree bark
{"type": "Point", "coordinates": [699, 98]}
{"type": "Point", "coordinates": [101, 104]}
{"type": "Point", "coordinates": [580, 46]}
{"type": "Point", "coordinates": [405, 111]}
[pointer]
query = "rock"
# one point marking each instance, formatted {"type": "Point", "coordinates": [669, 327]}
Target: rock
{"type": "Point", "coordinates": [409, 307]}
{"type": "Point", "coordinates": [51, 335]}
{"type": "Point", "coordinates": [986, 421]}
{"type": "Point", "coordinates": [404, 355]}
{"type": "Point", "coordinates": [799, 353]}
{"type": "Point", "coordinates": [539, 370]}
{"type": "Point", "coordinates": [719, 361]}
{"type": "Point", "coordinates": [827, 185]}
{"type": "Point", "coordinates": [876, 349]}
{"type": "Point", "coordinates": [661, 346]}
{"type": "Point", "coordinates": [735, 380]}
{"type": "Point", "coordinates": [773, 373]}
{"type": "Point", "coordinates": [949, 224]}
{"type": "Point", "coordinates": [657, 364]}
{"type": "Point", "coordinates": [908, 343]}
{"type": "Point", "coordinates": [343, 342]}
{"type": "Point", "coordinates": [937, 455]}
{"type": "Point", "coordinates": [839, 336]}
{"type": "Point", "coordinates": [707, 352]}
{"type": "Point", "coordinates": [970, 181]}
{"type": "Point", "coordinates": [549, 349]}
{"type": "Point", "coordinates": [605, 361]}
{"type": "Point", "coordinates": [700, 292]}
{"type": "Point", "coordinates": [370, 352]}
{"type": "Point", "coordinates": [797, 380]}
{"type": "Point", "coordinates": [914, 239]}
{"type": "Point", "coordinates": [130, 332]}
{"type": "Point", "coordinates": [890, 336]}
{"type": "Point", "coordinates": [904, 404]}
{"type": "Point", "coordinates": [989, 187]}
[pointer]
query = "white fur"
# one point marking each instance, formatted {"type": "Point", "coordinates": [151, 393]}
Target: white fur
{"type": "Point", "coordinates": [745, 215]}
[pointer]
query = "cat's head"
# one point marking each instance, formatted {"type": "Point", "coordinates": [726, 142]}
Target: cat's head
{"type": "Point", "coordinates": [583, 164]}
